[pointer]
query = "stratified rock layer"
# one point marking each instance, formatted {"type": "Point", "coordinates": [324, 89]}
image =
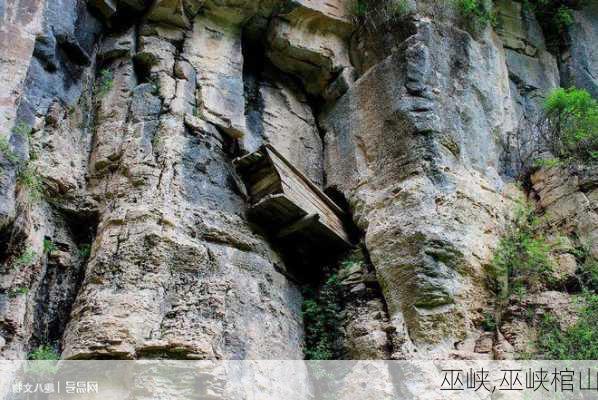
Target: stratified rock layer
{"type": "Point", "coordinates": [422, 177]}
{"type": "Point", "coordinates": [123, 231]}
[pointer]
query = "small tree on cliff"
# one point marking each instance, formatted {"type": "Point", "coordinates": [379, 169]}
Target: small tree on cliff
{"type": "Point", "coordinates": [570, 125]}
{"type": "Point", "coordinates": [567, 130]}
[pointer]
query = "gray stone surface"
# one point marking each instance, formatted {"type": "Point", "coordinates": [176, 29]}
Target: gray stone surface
{"type": "Point", "coordinates": [579, 65]}
{"type": "Point", "coordinates": [309, 40]}
{"type": "Point", "coordinates": [173, 269]}
{"type": "Point", "coordinates": [131, 240]}
{"type": "Point", "coordinates": [413, 146]}
{"type": "Point", "coordinates": [281, 115]}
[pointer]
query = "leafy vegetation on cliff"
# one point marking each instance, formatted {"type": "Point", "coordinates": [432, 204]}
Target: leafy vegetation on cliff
{"type": "Point", "coordinates": [522, 263]}
{"type": "Point", "coordinates": [478, 13]}
{"type": "Point", "coordinates": [105, 82]}
{"type": "Point", "coordinates": [555, 16]}
{"type": "Point", "coordinates": [371, 13]}
{"type": "Point", "coordinates": [44, 353]}
{"type": "Point", "coordinates": [565, 133]}
{"type": "Point", "coordinates": [6, 151]}
{"type": "Point", "coordinates": [25, 259]}
{"type": "Point", "coordinates": [571, 130]}
{"type": "Point", "coordinates": [321, 319]}
{"type": "Point", "coordinates": [588, 274]}
{"type": "Point", "coordinates": [29, 178]}
{"type": "Point", "coordinates": [577, 342]}
{"type": "Point", "coordinates": [522, 259]}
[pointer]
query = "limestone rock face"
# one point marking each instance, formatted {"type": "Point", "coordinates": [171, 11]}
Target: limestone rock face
{"type": "Point", "coordinates": [170, 12]}
{"type": "Point", "coordinates": [309, 39]}
{"type": "Point", "coordinates": [279, 113]}
{"type": "Point", "coordinates": [580, 62]}
{"type": "Point", "coordinates": [123, 225]}
{"type": "Point", "coordinates": [367, 333]}
{"type": "Point", "coordinates": [518, 29]}
{"type": "Point", "coordinates": [215, 53]}
{"type": "Point", "coordinates": [521, 316]}
{"type": "Point", "coordinates": [567, 198]}
{"type": "Point", "coordinates": [141, 154]}
{"type": "Point", "coordinates": [533, 72]}
{"type": "Point", "coordinates": [418, 164]}
{"type": "Point", "coordinates": [191, 279]}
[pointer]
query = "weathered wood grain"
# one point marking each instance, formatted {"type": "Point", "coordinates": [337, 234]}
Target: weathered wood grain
{"type": "Point", "coordinates": [285, 201]}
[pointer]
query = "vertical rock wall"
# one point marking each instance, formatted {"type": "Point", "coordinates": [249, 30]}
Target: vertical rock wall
{"type": "Point", "coordinates": [144, 227]}
{"type": "Point", "coordinates": [122, 223]}
{"type": "Point", "coordinates": [580, 61]}
{"type": "Point", "coordinates": [419, 165]}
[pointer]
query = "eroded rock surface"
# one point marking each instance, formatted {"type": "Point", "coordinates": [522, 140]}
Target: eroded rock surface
{"type": "Point", "coordinates": [580, 63]}
{"type": "Point", "coordinates": [123, 228]}
{"type": "Point", "coordinates": [423, 186]}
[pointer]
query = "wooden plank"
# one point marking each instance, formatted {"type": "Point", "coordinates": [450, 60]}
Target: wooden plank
{"type": "Point", "coordinates": [318, 236]}
{"type": "Point", "coordinates": [312, 185]}
{"type": "Point", "coordinates": [328, 219]}
{"type": "Point", "coordinates": [248, 160]}
{"type": "Point", "coordinates": [279, 209]}
{"type": "Point", "coordinates": [306, 198]}
{"type": "Point", "coordinates": [286, 200]}
{"type": "Point", "coordinates": [303, 223]}
{"type": "Point", "coordinates": [269, 184]}
{"type": "Point", "coordinates": [305, 194]}
{"type": "Point", "coordinates": [301, 194]}
{"type": "Point", "coordinates": [259, 175]}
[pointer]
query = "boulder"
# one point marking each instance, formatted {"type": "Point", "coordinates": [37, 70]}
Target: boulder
{"type": "Point", "coordinates": [169, 12]}
{"type": "Point", "coordinates": [309, 40]}
{"type": "Point", "coordinates": [118, 45]}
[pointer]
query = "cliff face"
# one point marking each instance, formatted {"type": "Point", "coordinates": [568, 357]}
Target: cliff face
{"type": "Point", "coordinates": [123, 224]}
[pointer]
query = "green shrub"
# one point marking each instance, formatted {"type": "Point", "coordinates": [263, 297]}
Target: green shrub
{"type": "Point", "coordinates": [554, 16]}
{"type": "Point", "coordinates": [489, 322]}
{"type": "Point", "coordinates": [522, 259]}
{"type": "Point", "coordinates": [45, 365]}
{"type": "Point", "coordinates": [22, 129]}
{"type": "Point", "coordinates": [105, 82]}
{"type": "Point", "coordinates": [360, 8]}
{"type": "Point", "coordinates": [26, 259]}
{"type": "Point", "coordinates": [477, 13]}
{"type": "Point", "coordinates": [547, 163]}
{"type": "Point", "coordinates": [563, 18]}
{"type": "Point", "coordinates": [84, 250]}
{"type": "Point", "coordinates": [22, 290]}
{"type": "Point", "coordinates": [589, 274]}
{"type": "Point", "coordinates": [49, 246]}
{"type": "Point", "coordinates": [572, 124]}
{"type": "Point", "coordinates": [399, 8]}
{"type": "Point", "coordinates": [44, 353]}
{"type": "Point", "coordinates": [373, 13]}
{"type": "Point", "coordinates": [321, 319]}
{"type": "Point", "coordinates": [18, 291]}
{"type": "Point", "coordinates": [30, 179]}
{"type": "Point", "coordinates": [6, 151]}
{"type": "Point", "coordinates": [588, 268]}
{"type": "Point", "coordinates": [578, 342]}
